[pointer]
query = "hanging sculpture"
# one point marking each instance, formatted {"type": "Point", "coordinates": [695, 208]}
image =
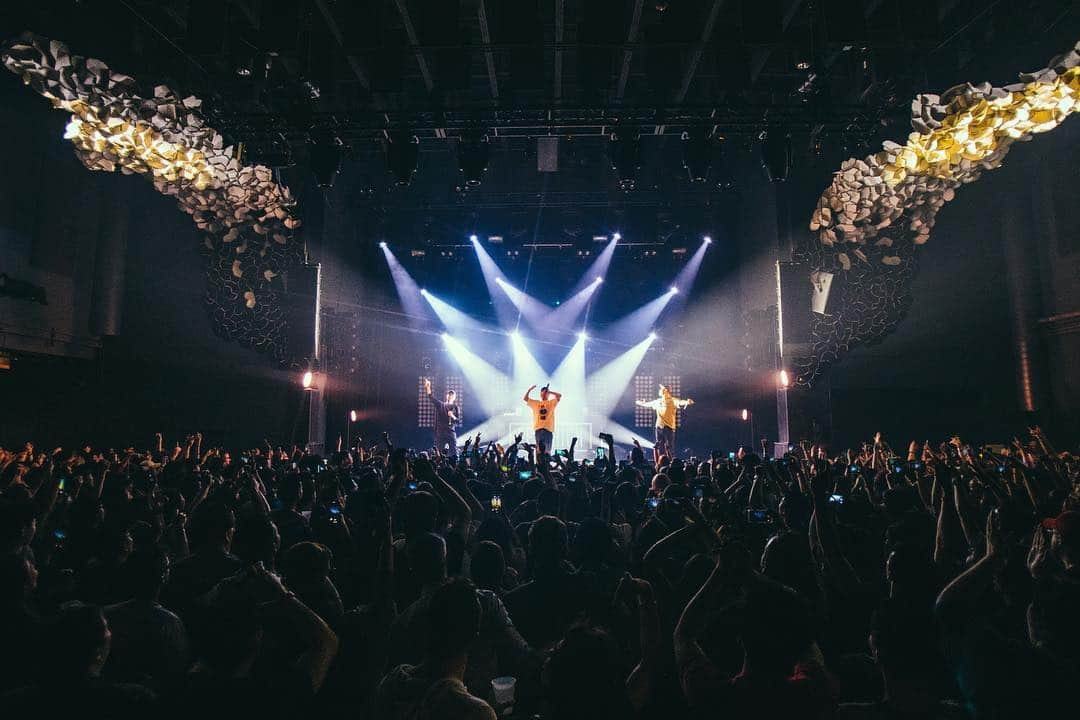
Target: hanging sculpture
{"type": "Point", "coordinates": [877, 210]}
{"type": "Point", "coordinates": [248, 221]}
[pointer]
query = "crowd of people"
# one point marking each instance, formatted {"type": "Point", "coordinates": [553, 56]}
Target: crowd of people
{"type": "Point", "coordinates": [940, 581]}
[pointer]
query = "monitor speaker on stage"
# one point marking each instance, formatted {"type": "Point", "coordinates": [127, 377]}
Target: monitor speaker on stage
{"type": "Point", "coordinates": [300, 302]}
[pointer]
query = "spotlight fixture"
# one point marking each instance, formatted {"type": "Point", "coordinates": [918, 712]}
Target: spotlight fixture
{"type": "Point", "coordinates": [707, 240]}
{"type": "Point", "coordinates": [776, 154]}
{"type": "Point", "coordinates": [583, 335]}
{"type": "Point", "coordinates": [616, 237]}
{"type": "Point", "coordinates": [784, 380]}
{"type": "Point", "coordinates": [802, 65]}
{"type": "Point", "coordinates": [745, 414]}
{"type": "Point", "coordinates": [652, 336]}
{"type": "Point", "coordinates": [383, 244]}
{"type": "Point", "coordinates": [424, 292]}
{"type": "Point", "coordinates": [473, 239]}
{"type": "Point", "coordinates": [514, 335]}
{"type": "Point", "coordinates": [674, 290]}
{"type": "Point", "coordinates": [697, 154]}
{"type": "Point", "coordinates": [307, 379]}
{"type": "Point", "coordinates": [446, 337]}
{"type": "Point", "coordinates": [625, 159]}
{"type": "Point", "coordinates": [472, 155]}
{"type": "Point", "coordinates": [352, 416]}
{"type": "Point", "coordinates": [325, 156]}
{"type": "Point", "coordinates": [402, 154]}
{"type": "Point", "coordinates": [598, 280]}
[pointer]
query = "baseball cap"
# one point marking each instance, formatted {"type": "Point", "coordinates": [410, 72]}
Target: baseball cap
{"type": "Point", "coordinates": [1067, 523]}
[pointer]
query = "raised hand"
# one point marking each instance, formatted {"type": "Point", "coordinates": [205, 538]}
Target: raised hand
{"type": "Point", "coordinates": [517, 438]}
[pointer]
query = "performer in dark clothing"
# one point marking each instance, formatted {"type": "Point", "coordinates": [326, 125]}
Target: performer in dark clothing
{"type": "Point", "coordinates": [447, 418]}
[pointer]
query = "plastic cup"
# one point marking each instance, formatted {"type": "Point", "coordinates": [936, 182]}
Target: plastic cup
{"type": "Point", "coordinates": [503, 689]}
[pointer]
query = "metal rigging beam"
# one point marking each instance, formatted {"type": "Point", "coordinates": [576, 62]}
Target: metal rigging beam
{"type": "Point", "coordinates": [699, 47]}
{"type": "Point", "coordinates": [414, 41]}
{"type": "Point", "coordinates": [558, 48]}
{"type": "Point", "coordinates": [332, 25]}
{"type": "Point", "coordinates": [489, 56]}
{"type": "Point", "coordinates": [624, 74]}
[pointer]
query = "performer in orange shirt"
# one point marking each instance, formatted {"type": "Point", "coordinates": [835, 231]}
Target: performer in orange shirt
{"type": "Point", "coordinates": [543, 415]}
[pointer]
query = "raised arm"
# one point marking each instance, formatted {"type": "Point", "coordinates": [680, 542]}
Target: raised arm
{"type": "Point", "coordinates": [528, 393]}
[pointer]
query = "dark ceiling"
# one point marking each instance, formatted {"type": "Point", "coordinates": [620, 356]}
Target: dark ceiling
{"type": "Point", "coordinates": [569, 67]}
{"type": "Point", "coordinates": [284, 77]}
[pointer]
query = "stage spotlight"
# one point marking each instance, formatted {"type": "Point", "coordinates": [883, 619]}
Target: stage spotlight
{"type": "Point", "coordinates": [472, 154]}
{"type": "Point", "coordinates": [776, 155]}
{"type": "Point", "coordinates": [745, 414]}
{"type": "Point", "coordinates": [306, 380]}
{"type": "Point", "coordinates": [707, 240]}
{"type": "Point", "coordinates": [352, 416]}
{"type": "Point", "coordinates": [674, 290]}
{"type": "Point", "coordinates": [324, 154]}
{"type": "Point", "coordinates": [446, 337]}
{"type": "Point", "coordinates": [616, 237]}
{"type": "Point", "coordinates": [583, 335]}
{"type": "Point", "coordinates": [652, 336]}
{"type": "Point", "coordinates": [515, 335]}
{"type": "Point", "coordinates": [784, 380]}
{"type": "Point", "coordinates": [402, 152]}
{"type": "Point", "coordinates": [625, 159]}
{"type": "Point", "coordinates": [697, 156]}
{"type": "Point", "coordinates": [383, 244]}
{"type": "Point", "coordinates": [473, 239]}
{"type": "Point", "coordinates": [598, 280]}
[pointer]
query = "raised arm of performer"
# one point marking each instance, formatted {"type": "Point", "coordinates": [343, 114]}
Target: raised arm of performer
{"type": "Point", "coordinates": [528, 392]}
{"type": "Point", "coordinates": [434, 400]}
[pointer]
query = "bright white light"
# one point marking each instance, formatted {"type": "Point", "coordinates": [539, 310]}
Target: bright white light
{"type": "Point", "coordinates": [652, 336]}
{"type": "Point", "coordinates": [500, 281]}
{"type": "Point", "coordinates": [423, 292]}
{"type": "Point", "coordinates": [352, 416]}
{"type": "Point", "coordinates": [583, 335]}
{"type": "Point", "coordinates": [598, 280]}
{"type": "Point", "coordinates": [383, 244]}
{"type": "Point", "coordinates": [708, 240]}
{"type": "Point", "coordinates": [674, 290]}
{"type": "Point", "coordinates": [515, 335]}
{"type": "Point", "coordinates": [473, 238]}
{"type": "Point", "coordinates": [307, 379]}
{"type": "Point", "coordinates": [446, 337]}
{"type": "Point", "coordinates": [616, 236]}
{"type": "Point", "coordinates": [784, 380]}
{"type": "Point", "coordinates": [745, 414]}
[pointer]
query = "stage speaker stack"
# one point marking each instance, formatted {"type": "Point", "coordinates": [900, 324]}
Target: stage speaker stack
{"type": "Point", "coordinates": [301, 305]}
{"type": "Point", "coordinates": [802, 413]}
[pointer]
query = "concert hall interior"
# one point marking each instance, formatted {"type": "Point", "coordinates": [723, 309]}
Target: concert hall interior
{"type": "Point", "coordinates": [529, 247]}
